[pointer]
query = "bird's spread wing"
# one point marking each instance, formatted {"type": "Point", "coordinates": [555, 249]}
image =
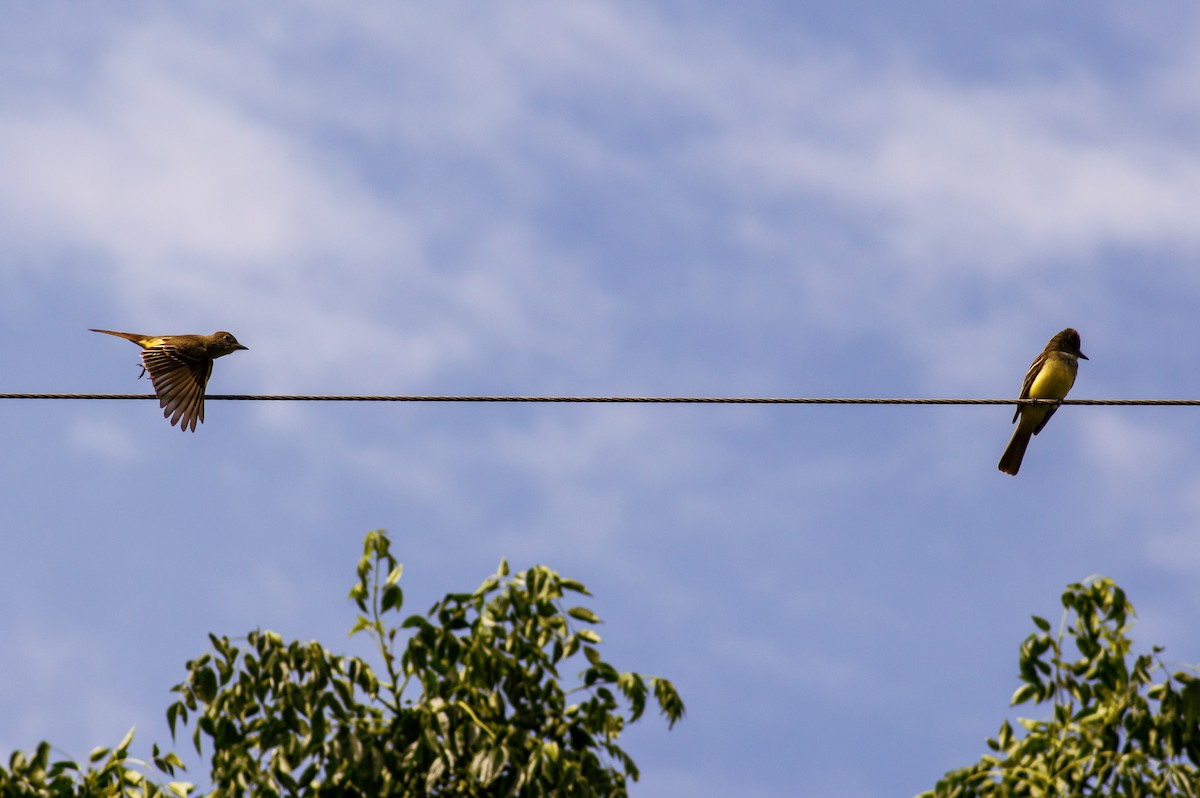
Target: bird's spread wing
{"type": "Point", "coordinates": [179, 380]}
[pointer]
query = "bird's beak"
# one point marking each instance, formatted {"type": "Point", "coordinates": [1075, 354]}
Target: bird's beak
{"type": "Point", "coordinates": [1081, 354]}
{"type": "Point", "coordinates": [240, 346]}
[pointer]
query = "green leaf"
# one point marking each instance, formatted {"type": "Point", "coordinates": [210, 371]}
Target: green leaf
{"type": "Point", "coordinates": [1041, 623]}
{"type": "Point", "coordinates": [393, 598]}
{"type": "Point", "coordinates": [1023, 694]}
{"type": "Point", "coordinates": [170, 760]}
{"type": "Point", "coordinates": [583, 614]}
{"type": "Point", "coordinates": [125, 741]}
{"type": "Point", "coordinates": [204, 682]}
{"type": "Point", "coordinates": [1191, 708]}
{"type": "Point", "coordinates": [573, 586]}
{"type": "Point", "coordinates": [436, 769]}
{"type": "Point", "coordinates": [174, 712]}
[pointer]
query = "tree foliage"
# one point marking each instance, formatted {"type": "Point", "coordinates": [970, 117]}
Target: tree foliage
{"type": "Point", "coordinates": [110, 772]}
{"type": "Point", "coordinates": [1114, 727]}
{"type": "Point", "coordinates": [469, 702]}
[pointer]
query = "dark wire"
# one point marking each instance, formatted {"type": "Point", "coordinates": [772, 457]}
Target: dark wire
{"type": "Point", "coordinates": [716, 400]}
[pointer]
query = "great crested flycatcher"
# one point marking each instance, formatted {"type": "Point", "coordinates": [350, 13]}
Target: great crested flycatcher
{"type": "Point", "coordinates": [179, 367]}
{"type": "Point", "coordinates": [1050, 377]}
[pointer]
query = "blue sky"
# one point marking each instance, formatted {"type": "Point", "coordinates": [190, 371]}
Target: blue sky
{"type": "Point", "coordinates": [767, 199]}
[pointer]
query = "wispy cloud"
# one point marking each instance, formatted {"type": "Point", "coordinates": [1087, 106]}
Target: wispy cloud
{"type": "Point", "coordinates": [220, 179]}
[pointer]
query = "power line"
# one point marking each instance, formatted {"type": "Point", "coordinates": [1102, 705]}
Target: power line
{"type": "Point", "coordinates": [716, 400]}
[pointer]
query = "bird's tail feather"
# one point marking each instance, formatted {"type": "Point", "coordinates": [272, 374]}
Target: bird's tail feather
{"type": "Point", "coordinates": [1010, 461]}
{"type": "Point", "coordinates": [137, 338]}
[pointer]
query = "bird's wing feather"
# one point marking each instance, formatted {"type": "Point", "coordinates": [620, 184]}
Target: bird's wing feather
{"type": "Point", "coordinates": [179, 380]}
{"type": "Point", "coordinates": [1041, 425]}
{"type": "Point", "coordinates": [1030, 376]}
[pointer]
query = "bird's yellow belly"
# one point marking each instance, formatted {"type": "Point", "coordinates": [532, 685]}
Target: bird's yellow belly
{"type": "Point", "coordinates": [1053, 381]}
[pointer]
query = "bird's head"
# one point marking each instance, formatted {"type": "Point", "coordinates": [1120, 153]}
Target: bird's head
{"type": "Point", "coordinates": [223, 343]}
{"type": "Point", "coordinates": [1068, 341]}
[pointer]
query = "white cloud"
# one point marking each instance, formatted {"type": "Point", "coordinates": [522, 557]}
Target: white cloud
{"type": "Point", "coordinates": [149, 167]}
{"type": "Point", "coordinates": [1170, 534]}
{"type": "Point", "coordinates": [992, 172]}
{"type": "Point", "coordinates": [64, 685]}
{"type": "Point", "coordinates": [107, 439]}
{"type": "Point", "coordinates": [1133, 454]}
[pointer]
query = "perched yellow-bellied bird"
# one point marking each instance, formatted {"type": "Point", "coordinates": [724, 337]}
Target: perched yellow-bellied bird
{"type": "Point", "coordinates": [1050, 377]}
{"type": "Point", "coordinates": [179, 367]}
